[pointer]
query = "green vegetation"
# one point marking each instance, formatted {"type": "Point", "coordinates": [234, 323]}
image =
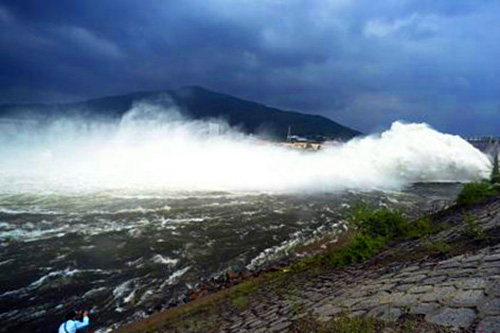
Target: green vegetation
{"type": "Point", "coordinates": [440, 248]}
{"type": "Point", "coordinates": [240, 302]}
{"type": "Point", "coordinates": [474, 192]}
{"type": "Point", "coordinates": [340, 324]}
{"type": "Point", "coordinates": [495, 172]}
{"type": "Point", "coordinates": [345, 324]}
{"type": "Point", "coordinates": [361, 248]}
{"type": "Point", "coordinates": [422, 228]}
{"type": "Point", "coordinates": [383, 222]}
{"type": "Point", "coordinates": [371, 230]}
{"type": "Point", "coordinates": [472, 229]}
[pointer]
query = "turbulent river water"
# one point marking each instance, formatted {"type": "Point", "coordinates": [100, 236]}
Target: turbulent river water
{"type": "Point", "coordinates": [125, 255]}
{"type": "Point", "coordinates": [125, 218]}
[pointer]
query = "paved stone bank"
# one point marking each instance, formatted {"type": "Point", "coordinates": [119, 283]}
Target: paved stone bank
{"type": "Point", "coordinates": [462, 292]}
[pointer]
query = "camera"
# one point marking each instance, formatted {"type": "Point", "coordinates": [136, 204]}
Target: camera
{"type": "Point", "coordinates": [79, 314]}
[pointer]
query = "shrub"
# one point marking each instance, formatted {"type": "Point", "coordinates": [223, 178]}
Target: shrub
{"type": "Point", "coordinates": [374, 228]}
{"type": "Point", "coordinates": [421, 228]}
{"type": "Point", "coordinates": [361, 247]}
{"type": "Point", "coordinates": [379, 222]}
{"type": "Point", "coordinates": [475, 192]}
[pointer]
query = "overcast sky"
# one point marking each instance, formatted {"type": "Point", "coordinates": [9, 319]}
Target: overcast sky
{"type": "Point", "coordinates": [362, 63]}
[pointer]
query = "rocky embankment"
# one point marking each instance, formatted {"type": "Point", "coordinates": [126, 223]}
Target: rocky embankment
{"type": "Point", "coordinates": [446, 281]}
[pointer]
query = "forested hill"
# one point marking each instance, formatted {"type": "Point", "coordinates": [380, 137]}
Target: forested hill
{"type": "Point", "coordinates": [195, 102]}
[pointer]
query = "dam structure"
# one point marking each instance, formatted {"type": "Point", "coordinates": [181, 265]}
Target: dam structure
{"type": "Point", "coordinates": [487, 144]}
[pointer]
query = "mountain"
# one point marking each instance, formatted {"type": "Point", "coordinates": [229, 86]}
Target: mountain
{"type": "Point", "coordinates": [195, 102]}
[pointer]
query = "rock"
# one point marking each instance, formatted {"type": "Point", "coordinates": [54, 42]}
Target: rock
{"type": "Point", "coordinates": [349, 302]}
{"type": "Point", "coordinates": [367, 303]}
{"type": "Point", "coordinates": [410, 269]}
{"type": "Point", "coordinates": [489, 325]}
{"type": "Point", "coordinates": [280, 326]}
{"type": "Point", "coordinates": [387, 287]}
{"type": "Point", "coordinates": [385, 313]}
{"type": "Point", "coordinates": [467, 298]}
{"type": "Point", "coordinates": [435, 279]}
{"type": "Point", "coordinates": [327, 310]}
{"type": "Point", "coordinates": [473, 283]}
{"type": "Point", "coordinates": [438, 294]}
{"type": "Point", "coordinates": [492, 257]}
{"type": "Point", "coordinates": [419, 289]}
{"type": "Point", "coordinates": [490, 307]}
{"type": "Point", "coordinates": [406, 300]}
{"type": "Point", "coordinates": [460, 273]}
{"type": "Point", "coordinates": [388, 330]}
{"type": "Point", "coordinates": [493, 287]}
{"type": "Point", "coordinates": [236, 325]}
{"type": "Point", "coordinates": [403, 287]}
{"type": "Point", "coordinates": [491, 265]}
{"type": "Point", "coordinates": [414, 278]}
{"type": "Point", "coordinates": [356, 314]}
{"type": "Point", "coordinates": [449, 264]}
{"type": "Point", "coordinates": [457, 318]}
{"type": "Point", "coordinates": [474, 258]}
{"type": "Point", "coordinates": [424, 308]}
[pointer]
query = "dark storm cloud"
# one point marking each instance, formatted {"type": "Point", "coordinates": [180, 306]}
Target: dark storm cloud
{"type": "Point", "coordinates": [363, 63]}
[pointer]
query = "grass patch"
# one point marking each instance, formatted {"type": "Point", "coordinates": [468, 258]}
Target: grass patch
{"type": "Point", "coordinates": [339, 324]}
{"type": "Point", "coordinates": [240, 302]}
{"type": "Point", "coordinates": [382, 222]}
{"type": "Point", "coordinates": [345, 324]}
{"type": "Point", "coordinates": [472, 229]}
{"type": "Point", "coordinates": [440, 248]}
{"type": "Point", "coordinates": [475, 192]}
{"type": "Point", "coordinates": [362, 247]}
{"type": "Point", "coordinates": [421, 228]}
{"type": "Point", "coordinates": [371, 230]}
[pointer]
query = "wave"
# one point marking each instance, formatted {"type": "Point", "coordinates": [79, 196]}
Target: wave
{"type": "Point", "coordinates": [175, 276]}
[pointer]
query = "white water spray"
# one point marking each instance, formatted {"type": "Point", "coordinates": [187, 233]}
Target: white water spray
{"type": "Point", "coordinates": [157, 149]}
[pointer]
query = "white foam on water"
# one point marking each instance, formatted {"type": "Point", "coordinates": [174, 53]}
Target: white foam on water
{"type": "Point", "coordinates": [175, 276]}
{"type": "Point", "coordinates": [153, 148]}
{"type": "Point", "coordinates": [5, 262]}
{"type": "Point", "coordinates": [94, 291]}
{"type": "Point", "coordinates": [297, 238]}
{"type": "Point", "coordinates": [68, 272]}
{"type": "Point", "coordinates": [130, 297]}
{"type": "Point", "coordinates": [32, 210]}
{"type": "Point", "coordinates": [159, 259]}
{"type": "Point", "coordinates": [28, 235]}
{"type": "Point", "coordinates": [5, 225]}
{"type": "Point", "coordinates": [124, 288]}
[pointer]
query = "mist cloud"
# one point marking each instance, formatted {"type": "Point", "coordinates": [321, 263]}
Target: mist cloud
{"type": "Point", "coordinates": [158, 149]}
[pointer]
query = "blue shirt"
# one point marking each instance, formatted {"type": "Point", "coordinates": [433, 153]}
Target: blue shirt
{"type": "Point", "coordinates": [71, 326]}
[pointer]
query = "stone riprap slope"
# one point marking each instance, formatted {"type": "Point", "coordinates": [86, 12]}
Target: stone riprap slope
{"type": "Point", "coordinates": [461, 292]}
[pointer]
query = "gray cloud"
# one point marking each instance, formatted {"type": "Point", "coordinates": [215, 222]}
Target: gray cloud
{"type": "Point", "coordinates": [360, 62]}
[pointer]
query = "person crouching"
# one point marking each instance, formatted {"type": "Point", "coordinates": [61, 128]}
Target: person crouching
{"type": "Point", "coordinates": [74, 321]}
